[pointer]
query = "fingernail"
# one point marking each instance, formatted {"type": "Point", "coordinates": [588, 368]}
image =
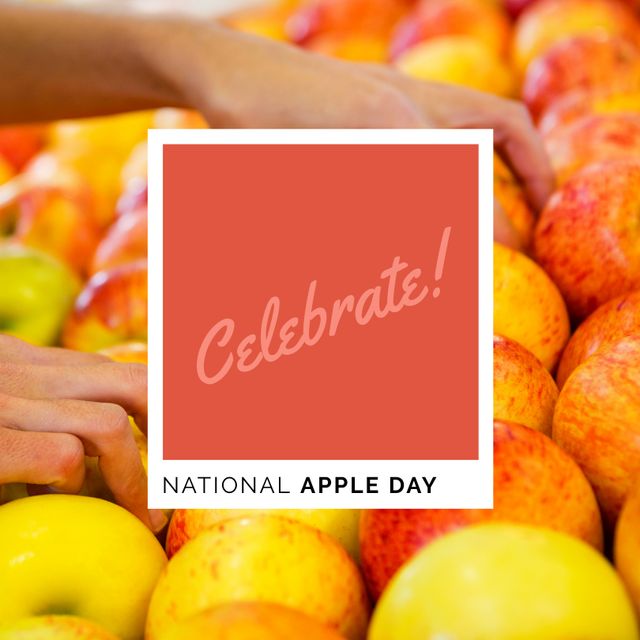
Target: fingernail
{"type": "Point", "coordinates": [158, 519]}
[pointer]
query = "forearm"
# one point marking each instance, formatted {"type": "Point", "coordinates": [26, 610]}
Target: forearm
{"type": "Point", "coordinates": [57, 62]}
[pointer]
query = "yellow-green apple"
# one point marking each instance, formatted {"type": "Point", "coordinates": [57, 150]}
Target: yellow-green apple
{"type": "Point", "coordinates": [610, 322]}
{"type": "Point", "coordinates": [250, 621]}
{"type": "Point", "coordinates": [54, 627]}
{"type": "Point", "coordinates": [588, 238]}
{"type": "Point", "coordinates": [485, 22]}
{"type": "Point", "coordinates": [546, 22]}
{"type": "Point", "coordinates": [111, 309]}
{"type": "Point", "coordinates": [534, 482]}
{"type": "Point", "coordinates": [36, 293]}
{"type": "Point", "coordinates": [626, 548]}
{"type": "Point", "coordinates": [458, 60]}
{"type": "Point", "coordinates": [125, 241]}
{"type": "Point", "coordinates": [509, 195]}
{"type": "Point", "coordinates": [591, 139]}
{"type": "Point", "coordinates": [341, 524]}
{"type": "Point", "coordinates": [504, 581]}
{"type": "Point", "coordinates": [577, 104]}
{"type": "Point", "coordinates": [79, 556]}
{"type": "Point", "coordinates": [262, 558]}
{"type": "Point", "coordinates": [527, 306]}
{"type": "Point", "coordinates": [523, 390]}
{"type": "Point", "coordinates": [59, 222]}
{"type": "Point", "coordinates": [582, 63]}
{"type": "Point", "coordinates": [344, 16]}
{"type": "Point", "coordinates": [597, 421]}
{"type": "Point", "coordinates": [18, 144]}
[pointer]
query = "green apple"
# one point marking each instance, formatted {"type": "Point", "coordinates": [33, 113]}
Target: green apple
{"type": "Point", "coordinates": [36, 293]}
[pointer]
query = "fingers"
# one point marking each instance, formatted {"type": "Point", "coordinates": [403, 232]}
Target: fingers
{"type": "Point", "coordinates": [100, 429]}
{"type": "Point", "coordinates": [110, 382]}
{"type": "Point", "coordinates": [518, 140]}
{"type": "Point", "coordinates": [15, 350]}
{"type": "Point", "coordinates": [503, 230]}
{"type": "Point", "coordinates": [54, 459]}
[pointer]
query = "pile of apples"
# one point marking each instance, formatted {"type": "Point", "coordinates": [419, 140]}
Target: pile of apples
{"type": "Point", "coordinates": [559, 554]}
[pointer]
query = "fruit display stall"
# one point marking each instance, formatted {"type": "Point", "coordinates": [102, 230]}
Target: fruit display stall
{"type": "Point", "coordinates": [559, 555]}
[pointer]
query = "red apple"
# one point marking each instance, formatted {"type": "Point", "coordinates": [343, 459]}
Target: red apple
{"type": "Point", "coordinates": [516, 7]}
{"type": "Point", "coordinates": [577, 104]}
{"type": "Point", "coordinates": [125, 241]}
{"type": "Point", "coordinates": [588, 238]}
{"type": "Point", "coordinates": [523, 390]}
{"type": "Point", "coordinates": [58, 221]}
{"type": "Point", "coordinates": [585, 62]}
{"type": "Point", "coordinates": [510, 196]}
{"type": "Point", "coordinates": [626, 549]}
{"type": "Point", "coordinates": [610, 322]}
{"type": "Point", "coordinates": [597, 421]}
{"type": "Point", "coordinates": [18, 144]}
{"type": "Point", "coordinates": [546, 22]}
{"type": "Point", "coordinates": [535, 483]}
{"type": "Point", "coordinates": [590, 139]}
{"type": "Point", "coordinates": [483, 21]}
{"type": "Point", "coordinates": [111, 309]}
{"type": "Point", "coordinates": [376, 17]}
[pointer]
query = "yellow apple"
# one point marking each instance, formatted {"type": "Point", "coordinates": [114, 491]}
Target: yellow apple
{"type": "Point", "coordinates": [80, 556]}
{"type": "Point", "coordinates": [54, 628]}
{"type": "Point", "coordinates": [342, 524]}
{"type": "Point", "coordinates": [527, 306]}
{"type": "Point", "coordinates": [250, 621]}
{"type": "Point", "coordinates": [262, 558]}
{"type": "Point", "coordinates": [505, 582]}
{"type": "Point", "coordinates": [458, 60]}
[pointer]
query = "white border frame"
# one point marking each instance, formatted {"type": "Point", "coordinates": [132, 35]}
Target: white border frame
{"type": "Point", "coordinates": [460, 483]}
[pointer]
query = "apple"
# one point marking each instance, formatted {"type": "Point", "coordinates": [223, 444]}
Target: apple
{"type": "Point", "coordinates": [535, 482]}
{"type": "Point", "coordinates": [6, 171]}
{"type": "Point", "coordinates": [596, 61]}
{"type": "Point", "coordinates": [127, 352]}
{"type": "Point", "coordinates": [546, 22]}
{"type": "Point", "coordinates": [482, 21]}
{"type": "Point", "coordinates": [125, 241]}
{"type": "Point", "coordinates": [597, 421]}
{"type": "Point", "coordinates": [355, 47]}
{"type": "Point", "coordinates": [626, 548]}
{"type": "Point", "coordinates": [501, 582]}
{"type": "Point", "coordinates": [590, 139]}
{"type": "Point", "coordinates": [516, 7]}
{"type": "Point", "coordinates": [262, 558]}
{"type": "Point", "coordinates": [576, 104]}
{"type": "Point", "coordinates": [36, 293]}
{"type": "Point", "coordinates": [341, 524]}
{"type": "Point", "coordinates": [112, 308]}
{"type": "Point", "coordinates": [509, 195]}
{"type": "Point", "coordinates": [527, 306]}
{"type": "Point", "coordinates": [59, 222]}
{"type": "Point", "coordinates": [458, 60]}
{"type": "Point", "coordinates": [267, 21]}
{"type": "Point", "coordinates": [587, 237]}
{"type": "Point", "coordinates": [374, 17]}
{"type": "Point", "coordinates": [54, 627]}
{"type": "Point", "coordinates": [250, 621]}
{"type": "Point", "coordinates": [83, 556]}
{"type": "Point", "coordinates": [523, 390]}
{"type": "Point", "coordinates": [18, 144]}
{"type": "Point", "coordinates": [170, 118]}
{"type": "Point", "coordinates": [610, 322]}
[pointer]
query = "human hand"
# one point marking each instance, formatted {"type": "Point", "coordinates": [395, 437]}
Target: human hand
{"type": "Point", "coordinates": [56, 406]}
